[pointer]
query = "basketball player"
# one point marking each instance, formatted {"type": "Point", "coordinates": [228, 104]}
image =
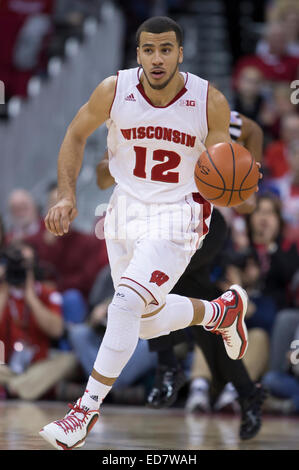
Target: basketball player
{"type": "Point", "coordinates": [194, 282]}
{"type": "Point", "coordinates": [245, 131]}
{"type": "Point", "coordinates": [159, 121]}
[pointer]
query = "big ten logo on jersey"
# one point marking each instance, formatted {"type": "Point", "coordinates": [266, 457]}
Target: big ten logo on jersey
{"type": "Point", "coordinates": [159, 278]}
{"type": "Point", "coordinates": [188, 103]}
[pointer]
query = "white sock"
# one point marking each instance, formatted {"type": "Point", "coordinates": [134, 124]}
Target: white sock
{"type": "Point", "coordinates": [94, 394]}
{"type": "Point", "coordinates": [212, 313]}
{"type": "Point", "coordinates": [118, 344]}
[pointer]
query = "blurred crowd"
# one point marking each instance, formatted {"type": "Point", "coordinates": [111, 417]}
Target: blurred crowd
{"type": "Point", "coordinates": [33, 31]}
{"type": "Point", "coordinates": [54, 291]}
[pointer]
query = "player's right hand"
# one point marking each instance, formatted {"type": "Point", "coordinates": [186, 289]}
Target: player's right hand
{"type": "Point", "coordinates": [60, 216]}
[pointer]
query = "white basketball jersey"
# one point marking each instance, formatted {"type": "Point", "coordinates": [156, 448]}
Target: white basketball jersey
{"type": "Point", "coordinates": [153, 150]}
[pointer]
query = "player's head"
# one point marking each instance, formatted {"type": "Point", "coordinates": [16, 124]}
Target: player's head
{"type": "Point", "coordinates": [159, 50]}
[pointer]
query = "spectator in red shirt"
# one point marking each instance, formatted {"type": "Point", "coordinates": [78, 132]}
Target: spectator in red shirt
{"type": "Point", "coordinates": [278, 106]}
{"type": "Point", "coordinates": [30, 318]}
{"type": "Point", "coordinates": [288, 188]}
{"type": "Point", "coordinates": [248, 99]}
{"type": "Point", "coordinates": [73, 263]}
{"type": "Point", "coordinates": [274, 61]}
{"type": "Point", "coordinates": [276, 154]}
{"type": "Point", "coordinates": [76, 258]}
{"type": "Point", "coordinates": [14, 17]}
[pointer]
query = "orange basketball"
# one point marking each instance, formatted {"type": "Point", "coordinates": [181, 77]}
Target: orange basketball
{"type": "Point", "coordinates": [226, 174]}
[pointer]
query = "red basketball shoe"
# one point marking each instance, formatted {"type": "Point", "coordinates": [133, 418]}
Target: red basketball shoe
{"type": "Point", "coordinates": [230, 324]}
{"type": "Point", "coordinates": [71, 431]}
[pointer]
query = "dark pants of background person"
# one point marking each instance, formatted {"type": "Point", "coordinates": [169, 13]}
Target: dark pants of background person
{"type": "Point", "coordinates": [195, 282]}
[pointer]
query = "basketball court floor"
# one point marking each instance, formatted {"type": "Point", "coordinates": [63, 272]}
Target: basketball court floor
{"type": "Point", "coordinates": [126, 428]}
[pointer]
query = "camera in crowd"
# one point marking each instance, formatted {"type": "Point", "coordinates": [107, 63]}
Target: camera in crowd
{"type": "Point", "coordinates": [16, 265]}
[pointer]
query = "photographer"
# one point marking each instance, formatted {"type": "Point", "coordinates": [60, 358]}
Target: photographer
{"type": "Point", "coordinates": [30, 318]}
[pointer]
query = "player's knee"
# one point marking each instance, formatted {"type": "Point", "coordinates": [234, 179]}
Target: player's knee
{"type": "Point", "coordinates": [123, 321]}
{"type": "Point", "coordinates": [127, 300]}
{"type": "Point", "coordinates": [152, 295]}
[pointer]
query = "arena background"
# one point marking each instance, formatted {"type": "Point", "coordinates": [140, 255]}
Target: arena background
{"type": "Point", "coordinates": [71, 51]}
{"type": "Point", "coordinates": [53, 53]}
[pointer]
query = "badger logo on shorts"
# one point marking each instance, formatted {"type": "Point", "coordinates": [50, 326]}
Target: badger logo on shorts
{"type": "Point", "coordinates": [159, 278]}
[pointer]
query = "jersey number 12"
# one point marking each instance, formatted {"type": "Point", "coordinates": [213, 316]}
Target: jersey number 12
{"type": "Point", "coordinates": [160, 172]}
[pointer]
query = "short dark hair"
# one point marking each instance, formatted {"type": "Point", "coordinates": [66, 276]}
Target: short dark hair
{"type": "Point", "coordinates": [160, 24]}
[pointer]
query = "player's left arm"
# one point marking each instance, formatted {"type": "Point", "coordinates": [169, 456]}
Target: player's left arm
{"type": "Point", "coordinates": [252, 137]}
{"type": "Point", "coordinates": [218, 115]}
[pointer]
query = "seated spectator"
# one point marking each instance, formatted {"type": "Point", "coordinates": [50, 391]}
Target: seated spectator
{"type": "Point", "coordinates": [282, 377]}
{"type": "Point", "coordinates": [30, 42]}
{"type": "Point", "coordinates": [30, 318]}
{"type": "Point", "coordinates": [275, 64]}
{"type": "Point", "coordinates": [246, 271]}
{"type": "Point", "coordinates": [288, 188]}
{"type": "Point", "coordinates": [76, 258]}
{"type": "Point", "coordinates": [86, 338]}
{"type": "Point", "coordinates": [287, 13]}
{"type": "Point", "coordinates": [68, 19]}
{"type": "Point", "coordinates": [276, 160]}
{"type": "Point", "coordinates": [278, 259]}
{"type": "Point", "coordinates": [23, 26]}
{"type": "Point", "coordinates": [248, 98]}
{"type": "Point", "coordinates": [72, 262]}
{"type": "Point", "coordinates": [25, 219]}
{"type": "Point", "coordinates": [265, 272]}
{"type": "Point", "coordinates": [276, 108]}
{"type": "Point", "coordinates": [74, 11]}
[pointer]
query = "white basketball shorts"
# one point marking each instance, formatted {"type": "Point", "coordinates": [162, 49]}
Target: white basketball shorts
{"type": "Point", "coordinates": [150, 245]}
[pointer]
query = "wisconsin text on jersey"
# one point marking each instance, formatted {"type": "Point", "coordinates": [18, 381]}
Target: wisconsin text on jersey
{"type": "Point", "coordinates": [159, 133]}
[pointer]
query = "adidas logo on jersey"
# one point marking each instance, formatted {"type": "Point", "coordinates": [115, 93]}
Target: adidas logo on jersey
{"type": "Point", "coordinates": [130, 97]}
